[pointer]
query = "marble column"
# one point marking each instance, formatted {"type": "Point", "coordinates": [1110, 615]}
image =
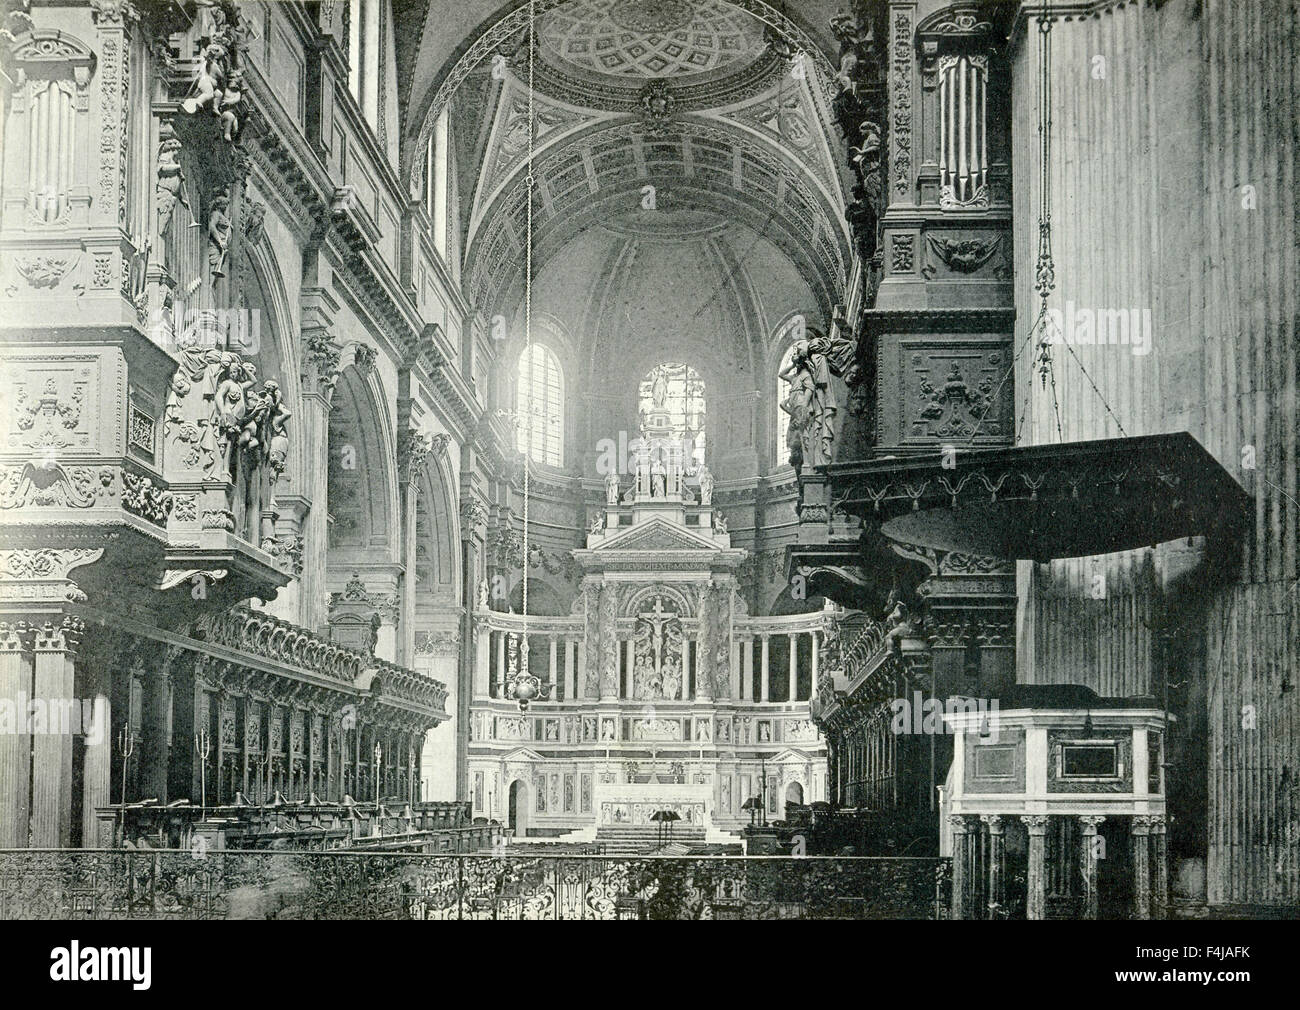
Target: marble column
{"type": "Point", "coordinates": [706, 665]}
{"type": "Point", "coordinates": [747, 672]}
{"type": "Point", "coordinates": [793, 693]}
{"type": "Point", "coordinates": [997, 859]}
{"type": "Point", "coordinates": [816, 657]}
{"type": "Point", "coordinates": [155, 742]}
{"type": "Point", "coordinates": [97, 759]}
{"type": "Point", "coordinates": [501, 664]}
{"type": "Point", "coordinates": [553, 665]}
{"type": "Point", "coordinates": [320, 372]}
{"type": "Point", "coordinates": [51, 812]}
{"type": "Point", "coordinates": [765, 676]}
{"type": "Point", "coordinates": [629, 667]}
{"type": "Point", "coordinates": [386, 638]}
{"type": "Point", "coordinates": [411, 474]}
{"type": "Point", "coordinates": [1036, 898]}
{"type": "Point", "coordinates": [1140, 832]}
{"type": "Point", "coordinates": [608, 658]}
{"type": "Point", "coordinates": [1160, 883]}
{"type": "Point", "coordinates": [686, 667]}
{"type": "Point", "coordinates": [15, 747]}
{"type": "Point", "coordinates": [482, 639]}
{"type": "Point", "coordinates": [1089, 851]}
{"type": "Point", "coordinates": [961, 840]}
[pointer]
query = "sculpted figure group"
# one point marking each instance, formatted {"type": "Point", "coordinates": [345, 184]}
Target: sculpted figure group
{"type": "Point", "coordinates": [811, 401]}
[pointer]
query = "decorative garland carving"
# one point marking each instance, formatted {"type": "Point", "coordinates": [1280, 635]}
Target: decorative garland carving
{"type": "Point", "coordinates": [901, 112]}
{"type": "Point", "coordinates": [142, 497]}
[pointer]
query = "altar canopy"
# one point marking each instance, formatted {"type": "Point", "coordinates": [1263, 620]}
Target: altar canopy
{"type": "Point", "coordinates": [659, 679]}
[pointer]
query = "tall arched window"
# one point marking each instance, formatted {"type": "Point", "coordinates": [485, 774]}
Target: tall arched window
{"type": "Point", "coordinates": [539, 406]}
{"type": "Point", "coordinates": [782, 418]}
{"type": "Point", "coordinates": [436, 171]}
{"type": "Point", "coordinates": [363, 56]}
{"type": "Point", "coordinates": [672, 394]}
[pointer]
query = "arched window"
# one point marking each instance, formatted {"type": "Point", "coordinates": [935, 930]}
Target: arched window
{"type": "Point", "coordinates": [782, 418]}
{"type": "Point", "coordinates": [539, 406]}
{"type": "Point", "coordinates": [436, 172]}
{"type": "Point", "coordinates": [363, 56]}
{"type": "Point", "coordinates": [672, 406]}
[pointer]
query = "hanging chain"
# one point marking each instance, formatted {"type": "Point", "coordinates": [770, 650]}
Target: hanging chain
{"type": "Point", "coordinates": [528, 315]}
{"type": "Point", "coordinates": [1044, 268]}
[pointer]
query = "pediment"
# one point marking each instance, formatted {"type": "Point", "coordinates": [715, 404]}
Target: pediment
{"type": "Point", "coordinates": [520, 755]}
{"type": "Point", "coordinates": [658, 535]}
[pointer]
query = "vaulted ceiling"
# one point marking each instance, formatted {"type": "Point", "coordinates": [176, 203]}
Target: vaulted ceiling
{"type": "Point", "coordinates": [697, 99]}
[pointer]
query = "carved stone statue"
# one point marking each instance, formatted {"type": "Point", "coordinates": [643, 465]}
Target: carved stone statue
{"type": "Point", "coordinates": [211, 80]}
{"type": "Point", "coordinates": [659, 390]}
{"type": "Point", "coordinates": [597, 523]}
{"type": "Point", "coordinates": [797, 402]}
{"type": "Point", "coordinates": [811, 401]}
{"type": "Point", "coordinates": [706, 485]}
{"type": "Point", "coordinates": [658, 479]}
{"type": "Point", "coordinates": [275, 419]}
{"type": "Point", "coordinates": [611, 488]}
{"type": "Point", "coordinates": [228, 107]}
{"type": "Point", "coordinates": [232, 407]}
{"type": "Point", "coordinates": [170, 176]}
{"type": "Point", "coordinates": [219, 229]}
{"type": "Point", "coordinates": [218, 424]}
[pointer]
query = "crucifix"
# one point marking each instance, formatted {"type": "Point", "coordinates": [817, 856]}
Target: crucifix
{"type": "Point", "coordinates": [657, 617]}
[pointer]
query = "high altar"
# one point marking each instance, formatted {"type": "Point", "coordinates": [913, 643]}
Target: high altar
{"type": "Point", "coordinates": [658, 685]}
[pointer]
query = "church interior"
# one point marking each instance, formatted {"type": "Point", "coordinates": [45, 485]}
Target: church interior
{"type": "Point", "coordinates": [724, 438]}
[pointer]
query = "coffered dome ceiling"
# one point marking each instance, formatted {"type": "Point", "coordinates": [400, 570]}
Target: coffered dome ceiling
{"type": "Point", "coordinates": [640, 39]}
{"type": "Point", "coordinates": [685, 104]}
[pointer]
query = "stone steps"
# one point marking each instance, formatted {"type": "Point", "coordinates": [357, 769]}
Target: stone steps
{"type": "Point", "coordinates": [639, 839]}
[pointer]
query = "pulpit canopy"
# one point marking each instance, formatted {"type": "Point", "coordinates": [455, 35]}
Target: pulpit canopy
{"type": "Point", "coordinates": [1040, 502]}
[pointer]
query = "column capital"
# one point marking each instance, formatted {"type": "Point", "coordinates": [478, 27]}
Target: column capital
{"type": "Point", "coordinates": [1141, 825]}
{"type": "Point", "coordinates": [960, 823]}
{"type": "Point", "coordinates": [1090, 823]}
{"type": "Point", "coordinates": [1159, 823]}
{"type": "Point", "coordinates": [1036, 823]}
{"type": "Point", "coordinates": [64, 636]}
{"type": "Point", "coordinates": [16, 636]}
{"type": "Point", "coordinates": [994, 821]}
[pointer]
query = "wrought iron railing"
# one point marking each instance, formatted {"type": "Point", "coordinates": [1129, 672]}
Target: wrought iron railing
{"type": "Point", "coordinates": [171, 884]}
